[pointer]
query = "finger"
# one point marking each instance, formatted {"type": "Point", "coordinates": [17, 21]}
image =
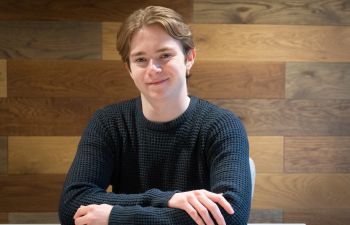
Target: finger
{"type": "Point", "coordinates": [213, 209]}
{"type": "Point", "coordinates": [81, 220]}
{"type": "Point", "coordinates": [220, 199]}
{"type": "Point", "coordinates": [201, 209]}
{"type": "Point", "coordinates": [193, 214]}
{"type": "Point", "coordinates": [80, 212]}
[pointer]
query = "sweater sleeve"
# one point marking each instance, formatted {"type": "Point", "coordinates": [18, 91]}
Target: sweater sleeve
{"type": "Point", "coordinates": [91, 172]}
{"type": "Point", "coordinates": [228, 157]}
{"type": "Point", "coordinates": [93, 166]}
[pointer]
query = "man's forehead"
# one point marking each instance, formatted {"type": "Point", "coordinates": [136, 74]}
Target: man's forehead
{"type": "Point", "coordinates": [139, 52]}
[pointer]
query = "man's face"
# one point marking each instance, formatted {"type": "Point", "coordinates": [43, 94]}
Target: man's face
{"type": "Point", "coordinates": [157, 63]}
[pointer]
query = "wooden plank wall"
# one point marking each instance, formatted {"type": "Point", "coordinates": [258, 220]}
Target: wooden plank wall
{"type": "Point", "coordinates": [283, 66]}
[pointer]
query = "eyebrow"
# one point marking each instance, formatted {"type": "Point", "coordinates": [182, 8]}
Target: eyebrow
{"type": "Point", "coordinates": [140, 53]}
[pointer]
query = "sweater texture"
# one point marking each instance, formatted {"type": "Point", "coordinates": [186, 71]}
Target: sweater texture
{"type": "Point", "coordinates": [148, 162]}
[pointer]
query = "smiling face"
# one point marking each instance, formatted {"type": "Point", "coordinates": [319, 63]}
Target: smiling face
{"type": "Point", "coordinates": [158, 65]}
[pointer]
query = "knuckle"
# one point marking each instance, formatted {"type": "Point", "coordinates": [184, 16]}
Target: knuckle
{"type": "Point", "coordinates": [197, 192]}
{"type": "Point", "coordinates": [200, 222]}
{"type": "Point", "coordinates": [221, 198]}
{"type": "Point", "coordinates": [212, 207]}
{"type": "Point", "coordinates": [182, 201]}
{"type": "Point", "coordinates": [203, 211]}
{"type": "Point", "coordinates": [191, 197]}
{"type": "Point", "coordinates": [193, 213]}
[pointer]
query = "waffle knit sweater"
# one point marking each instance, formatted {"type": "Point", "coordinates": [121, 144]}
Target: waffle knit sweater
{"type": "Point", "coordinates": [147, 163]}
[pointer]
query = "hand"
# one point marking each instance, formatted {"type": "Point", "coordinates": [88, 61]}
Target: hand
{"type": "Point", "coordinates": [93, 214]}
{"type": "Point", "coordinates": [199, 203]}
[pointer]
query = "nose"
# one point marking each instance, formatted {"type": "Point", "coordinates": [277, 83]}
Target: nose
{"type": "Point", "coordinates": [154, 66]}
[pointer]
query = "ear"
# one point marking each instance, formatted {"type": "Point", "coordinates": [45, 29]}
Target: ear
{"type": "Point", "coordinates": [190, 57]}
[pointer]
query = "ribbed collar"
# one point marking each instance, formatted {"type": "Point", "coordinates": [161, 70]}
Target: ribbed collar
{"type": "Point", "coordinates": [170, 125]}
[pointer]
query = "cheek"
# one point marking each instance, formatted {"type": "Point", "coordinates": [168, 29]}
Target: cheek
{"type": "Point", "coordinates": [135, 73]}
{"type": "Point", "coordinates": [178, 66]}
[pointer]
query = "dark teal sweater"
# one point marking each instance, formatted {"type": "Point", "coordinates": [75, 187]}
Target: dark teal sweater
{"type": "Point", "coordinates": [147, 162]}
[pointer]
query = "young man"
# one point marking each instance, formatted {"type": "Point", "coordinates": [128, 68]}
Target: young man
{"type": "Point", "coordinates": [170, 158]}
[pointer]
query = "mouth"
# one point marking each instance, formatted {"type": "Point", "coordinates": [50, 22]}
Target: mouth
{"type": "Point", "coordinates": [157, 82]}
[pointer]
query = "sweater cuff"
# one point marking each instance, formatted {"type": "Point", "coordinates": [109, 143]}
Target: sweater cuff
{"type": "Point", "coordinates": [162, 198]}
{"type": "Point", "coordinates": [120, 215]}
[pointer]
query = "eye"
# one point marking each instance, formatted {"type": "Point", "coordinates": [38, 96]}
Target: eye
{"type": "Point", "coordinates": [140, 60]}
{"type": "Point", "coordinates": [165, 55]}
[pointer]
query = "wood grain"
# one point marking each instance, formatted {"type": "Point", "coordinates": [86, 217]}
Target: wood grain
{"type": "Point", "coordinates": [229, 79]}
{"type": "Point", "coordinates": [317, 216]}
{"type": "Point", "coordinates": [267, 43]}
{"type": "Point", "coordinates": [50, 40]}
{"type": "Point", "coordinates": [47, 116]}
{"type": "Point", "coordinates": [3, 155]}
{"type": "Point", "coordinates": [295, 117]}
{"type": "Point", "coordinates": [81, 10]}
{"type": "Point", "coordinates": [318, 80]}
{"type": "Point", "coordinates": [109, 40]}
{"type": "Point", "coordinates": [53, 155]}
{"type": "Point", "coordinates": [302, 191]}
{"type": "Point", "coordinates": [68, 116]}
{"type": "Point", "coordinates": [30, 193]}
{"type": "Point", "coordinates": [108, 78]}
{"type": "Point", "coordinates": [266, 216]}
{"type": "Point", "coordinates": [3, 78]}
{"type": "Point", "coordinates": [324, 12]}
{"type": "Point", "coordinates": [277, 43]}
{"type": "Point", "coordinates": [41, 155]}
{"type": "Point", "coordinates": [267, 153]}
{"type": "Point", "coordinates": [3, 218]}
{"type": "Point", "coordinates": [69, 78]}
{"type": "Point", "coordinates": [317, 154]}
{"type": "Point", "coordinates": [32, 218]}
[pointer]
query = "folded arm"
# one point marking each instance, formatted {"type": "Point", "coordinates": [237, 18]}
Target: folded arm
{"type": "Point", "coordinates": [92, 171]}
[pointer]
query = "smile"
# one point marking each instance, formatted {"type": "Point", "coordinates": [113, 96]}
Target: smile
{"type": "Point", "coordinates": [157, 82]}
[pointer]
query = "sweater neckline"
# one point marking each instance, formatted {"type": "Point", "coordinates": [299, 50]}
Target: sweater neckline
{"type": "Point", "coordinates": [169, 125]}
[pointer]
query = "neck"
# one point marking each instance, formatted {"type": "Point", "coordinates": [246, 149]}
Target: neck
{"type": "Point", "coordinates": [164, 110]}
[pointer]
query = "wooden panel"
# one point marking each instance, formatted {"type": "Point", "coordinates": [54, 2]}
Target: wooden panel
{"type": "Point", "coordinates": [259, 42]}
{"type": "Point", "coordinates": [228, 79]}
{"type": "Point", "coordinates": [3, 218]}
{"type": "Point", "coordinates": [318, 216]}
{"type": "Point", "coordinates": [81, 10]}
{"type": "Point", "coordinates": [317, 154]}
{"type": "Point", "coordinates": [272, 42]}
{"type": "Point", "coordinates": [41, 155]}
{"type": "Point", "coordinates": [69, 78]}
{"type": "Point", "coordinates": [45, 155]}
{"type": "Point", "coordinates": [67, 116]}
{"type": "Point", "coordinates": [31, 218]}
{"type": "Point", "coordinates": [3, 155]}
{"type": "Point", "coordinates": [37, 193]}
{"type": "Point", "coordinates": [3, 78]}
{"type": "Point", "coordinates": [292, 117]}
{"type": "Point", "coordinates": [310, 12]}
{"type": "Point", "coordinates": [85, 78]}
{"type": "Point", "coordinates": [318, 80]}
{"type": "Point", "coordinates": [267, 153]}
{"type": "Point", "coordinates": [109, 40]}
{"type": "Point", "coordinates": [266, 216]}
{"type": "Point", "coordinates": [47, 116]}
{"type": "Point", "coordinates": [301, 191]}
{"type": "Point", "coordinates": [50, 40]}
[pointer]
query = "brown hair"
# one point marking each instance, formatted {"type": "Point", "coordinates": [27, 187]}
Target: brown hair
{"type": "Point", "coordinates": [171, 21]}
